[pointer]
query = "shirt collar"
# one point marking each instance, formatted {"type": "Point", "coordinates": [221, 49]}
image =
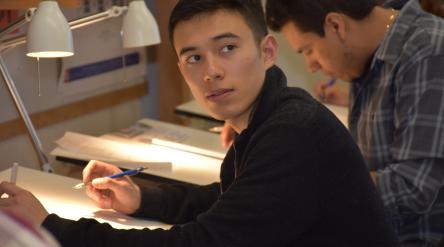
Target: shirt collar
{"type": "Point", "coordinates": [391, 46]}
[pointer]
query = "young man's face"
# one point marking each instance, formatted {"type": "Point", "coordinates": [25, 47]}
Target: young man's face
{"type": "Point", "coordinates": [222, 64]}
{"type": "Point", "coordinates": [328, 55]}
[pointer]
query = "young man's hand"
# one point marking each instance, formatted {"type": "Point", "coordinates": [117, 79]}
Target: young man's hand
{"type": "Point", "coordinates": [227, 136]}
{"type": "Point", "coordinates": [120, 194]}
{"type": "Point", "coordinates": [22, 203]}
{"type": "Point", "coordinates": [334, 95]}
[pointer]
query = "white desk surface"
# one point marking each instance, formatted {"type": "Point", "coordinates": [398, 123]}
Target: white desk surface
{"type": "Point", "coordinates": [57, 196]}
{"type": "Point", "coordinates": [341, 112]}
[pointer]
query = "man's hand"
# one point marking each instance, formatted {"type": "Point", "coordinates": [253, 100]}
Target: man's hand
{"type": "Point", "coordinates": [22, 203]}
{"type": "Point", "coordinates": [120, 194]}
{"type": "Point", "coordinates": [227, 136]}
{"type": "Point", "coordinates": [334, 95]}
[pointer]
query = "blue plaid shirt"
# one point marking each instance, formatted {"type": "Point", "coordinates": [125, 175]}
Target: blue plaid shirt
{"type": "Point", "coordinates": [397, 119]}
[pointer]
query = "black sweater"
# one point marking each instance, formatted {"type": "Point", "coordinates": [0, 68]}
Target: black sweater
{"type": "Point", "coordinates": [294, 177]}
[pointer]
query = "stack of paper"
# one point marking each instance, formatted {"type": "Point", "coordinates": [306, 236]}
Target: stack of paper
{"type": "Point", "coordinates": [171, 135]}
{"type": "Point", "coordinates": [161, 160]}
{"type": "Point", "coordinates": [85, 147]}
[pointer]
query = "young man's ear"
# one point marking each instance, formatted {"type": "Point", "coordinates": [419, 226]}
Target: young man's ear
{"type": "Point", "coordinates": [335, 24]}
{"type": "Point", "coordinates": [269, 48]}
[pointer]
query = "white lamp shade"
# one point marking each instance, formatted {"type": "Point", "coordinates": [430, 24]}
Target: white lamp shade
{"type": "Point", "coordinates": [49, 34]}
{"type": "Point", "coordinates": [139, 26]}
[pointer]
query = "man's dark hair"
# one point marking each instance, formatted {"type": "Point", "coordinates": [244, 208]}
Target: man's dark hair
{"type": "Point", "coordinates": [309, 15]}
{"type": "Point", "coordinates": [250, 10]}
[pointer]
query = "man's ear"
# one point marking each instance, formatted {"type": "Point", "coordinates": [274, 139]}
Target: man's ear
{"type": "Point", "coordinates": [269, 47]}
{"type": "Point", "coordinates": [335, 24]}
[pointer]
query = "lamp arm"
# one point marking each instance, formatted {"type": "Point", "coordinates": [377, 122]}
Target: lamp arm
{"type": "Point", "coordinates": [8, 43]}
{"type": "Point", "coordinates": [112, 12]}
{"type": "Point", "coordinates": [17, 23]}
{"type": "Point", "coordinates": [24, 114]}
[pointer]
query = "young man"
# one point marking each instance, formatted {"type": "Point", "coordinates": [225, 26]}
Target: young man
{"type": "Point", "coordinates": [394, 59]}
{"type": "Point", "coordinates": [293, 177]}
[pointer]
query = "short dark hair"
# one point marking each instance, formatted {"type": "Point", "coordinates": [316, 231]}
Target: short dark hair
{"type": "Point", "coordinates": [250, 10]}
{"type": "Point", "coordinates": [309, 15]}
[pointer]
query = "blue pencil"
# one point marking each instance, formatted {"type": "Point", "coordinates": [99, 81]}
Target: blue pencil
{"type": "Point", "coordinates": [117, 175]}
{"type": "Point", "coordinates": [330, 83]}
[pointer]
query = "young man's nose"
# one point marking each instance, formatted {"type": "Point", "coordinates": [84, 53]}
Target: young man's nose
{"type": "Point", "coordinates": [213, 71]}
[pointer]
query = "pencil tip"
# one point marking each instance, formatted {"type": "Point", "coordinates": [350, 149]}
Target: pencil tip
{"type": "Point", "coordinates": [78, 186]}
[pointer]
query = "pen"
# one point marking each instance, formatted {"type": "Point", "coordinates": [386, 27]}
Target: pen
{"type": "Point", "coordinates": [14, 170]}
{"type": "Point", "coordinates": [117, 175]}
{"type": "Point", "coordinates": [330, 83]}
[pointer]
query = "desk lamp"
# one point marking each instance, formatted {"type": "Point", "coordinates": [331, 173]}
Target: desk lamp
{"type": "Point", "coordinates": [49, 35]}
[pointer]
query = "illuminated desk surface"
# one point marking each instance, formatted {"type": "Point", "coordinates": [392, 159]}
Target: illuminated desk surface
{"type": "Point", "coordinates": [57, 196]}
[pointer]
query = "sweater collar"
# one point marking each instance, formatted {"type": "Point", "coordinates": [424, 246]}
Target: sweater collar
{"type": "Point", "coordinates": [267, 100]}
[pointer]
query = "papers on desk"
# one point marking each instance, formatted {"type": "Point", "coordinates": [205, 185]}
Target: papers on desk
{"type": "Point", "coordinates": [161, 160]}
{"type": "Point", "coordinates": [84, 147]}
{"type": "Point", "coordinates": [173, 136]}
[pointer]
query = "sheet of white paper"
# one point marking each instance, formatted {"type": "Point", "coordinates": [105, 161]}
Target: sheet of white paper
{"type": "Point", "coordinates": [84, 147]}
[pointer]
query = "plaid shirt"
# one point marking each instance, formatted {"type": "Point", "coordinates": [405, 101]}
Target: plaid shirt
{"type": "Point", "coordinates": [397, 119]}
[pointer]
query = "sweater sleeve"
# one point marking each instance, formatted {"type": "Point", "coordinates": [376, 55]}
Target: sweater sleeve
{"type": "Point", "coordinates": [273, 184]}
{"type": "Point", "coordinates": [176, 204]}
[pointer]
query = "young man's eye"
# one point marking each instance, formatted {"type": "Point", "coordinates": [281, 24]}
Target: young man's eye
{"type": "Point", "coordinates": [228, 48]}
{"type": "Point", "coordinates": [193, 59]}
